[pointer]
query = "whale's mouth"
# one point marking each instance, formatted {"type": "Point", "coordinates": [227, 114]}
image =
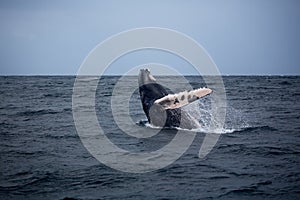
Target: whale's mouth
{"type": "Point", "coordinates": [145, 77]}
{"type": "Point", "coordinates": [152, 78]}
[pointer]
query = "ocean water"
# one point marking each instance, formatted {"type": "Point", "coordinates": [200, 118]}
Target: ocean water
{"type": "Point", "coordinates": [257, 155]}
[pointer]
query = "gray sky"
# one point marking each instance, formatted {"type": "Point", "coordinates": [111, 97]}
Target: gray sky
{"type": "Point", "coordinates": [243, 37]}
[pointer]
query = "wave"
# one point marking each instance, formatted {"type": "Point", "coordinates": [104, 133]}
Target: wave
{"type": "Point", "coordinates": [145, 123]}
{"type": "Point", "coordinates": [253, 128]}
{"type": "Point", "coordinates": [37, 112]}
{"type": "Point", "coordinates": [23, 179]}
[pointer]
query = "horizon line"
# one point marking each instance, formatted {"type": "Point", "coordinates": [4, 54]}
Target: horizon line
{"type": "Point", "coordinates": [3, 75]}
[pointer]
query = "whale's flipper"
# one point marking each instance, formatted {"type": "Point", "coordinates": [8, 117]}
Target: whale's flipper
{"type": "Point", "coordinates": [172, 101]}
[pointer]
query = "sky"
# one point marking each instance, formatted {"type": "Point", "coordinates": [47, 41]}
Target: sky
{"type": "Point", "coordinates": [257, 37]}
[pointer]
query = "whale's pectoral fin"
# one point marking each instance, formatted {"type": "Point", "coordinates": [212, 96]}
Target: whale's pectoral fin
{"type": "Point", "coordinates": [172, 101]}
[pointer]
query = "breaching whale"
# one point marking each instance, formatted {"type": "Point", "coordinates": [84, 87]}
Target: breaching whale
{"type": "Point", "coordinates": [163, 109]}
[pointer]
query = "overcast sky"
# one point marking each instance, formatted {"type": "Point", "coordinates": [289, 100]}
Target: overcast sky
{"type": "Point", "coordinates": [242, 37]}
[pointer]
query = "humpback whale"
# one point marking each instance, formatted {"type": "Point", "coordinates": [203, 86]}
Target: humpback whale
{"type": "Point", "coordinates": [163, 109]}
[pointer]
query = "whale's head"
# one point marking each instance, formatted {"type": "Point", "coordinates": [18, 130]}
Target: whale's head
{"type": "Point", "coordinates": [145, 77]}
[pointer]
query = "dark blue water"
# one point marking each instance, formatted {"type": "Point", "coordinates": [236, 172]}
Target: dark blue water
{"type": "Point", "coordinates": [42, 156]}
